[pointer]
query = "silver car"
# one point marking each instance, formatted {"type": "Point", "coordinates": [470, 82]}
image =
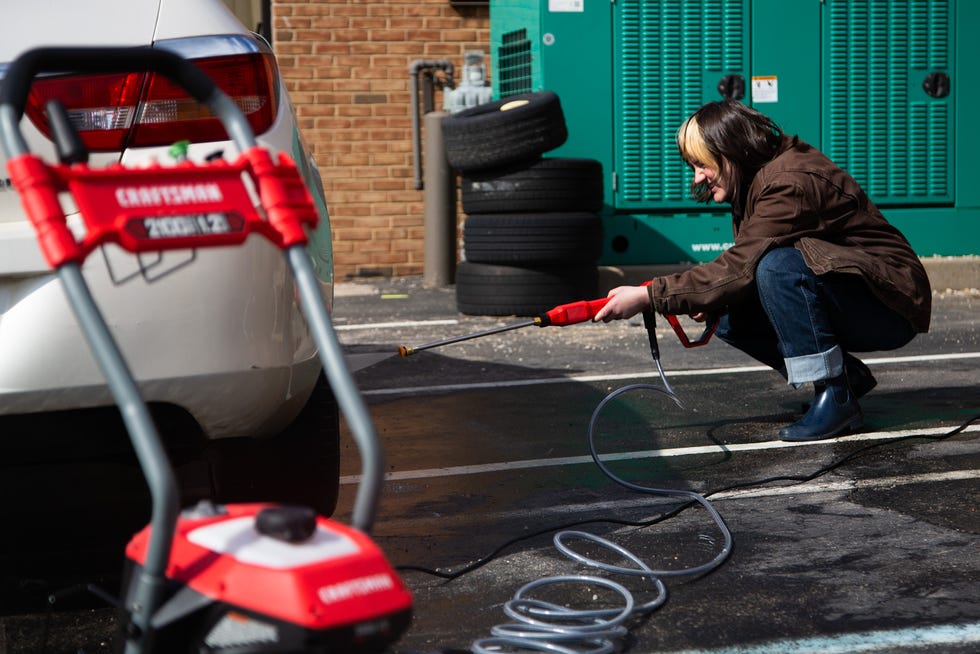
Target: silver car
{"type": "Point", "coordinates": [215, 336]}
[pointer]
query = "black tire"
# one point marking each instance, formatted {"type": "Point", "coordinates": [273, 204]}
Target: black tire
{"type": "Point", "coordinates": [505, 131]}
{"type": "Point", "coordinates": [536, 238]}
{"type": "Point", "coordinates": [300, 465]}
{"type": "Point", "coordinates": [550, 184]}
{"type": "Point", "coordinates": [490, 290]}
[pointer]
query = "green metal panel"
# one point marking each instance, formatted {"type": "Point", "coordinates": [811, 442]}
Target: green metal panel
{"type": "Point", "coordinates": [668, 58]}
{"type": "Point", "coordinates": [966, 91]}
{"type": "Point", "coordinates": [786, 65]}
{"type": "Point", "coordinates": [665, 238]}
{"type": "Point", "coordinates": [938, 231]}
{"type": "Point", "coordinates": [576, 33]}
{"type": "Point", "coordinates": [514, 57]}
{"type": "Point", "coordinates": [880, 125]}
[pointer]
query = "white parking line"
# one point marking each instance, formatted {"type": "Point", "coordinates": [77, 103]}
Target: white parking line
{"type": "Point", "coordinates": [894, 640]}
{"type": "Point", "coordinates": [585, 379]}
{"type": "Point", "coordinates": [395, 325]}
{"type": "Point", "coordinates": [810, 488]}
{"type": "Point", "coordinates": [430, 473]}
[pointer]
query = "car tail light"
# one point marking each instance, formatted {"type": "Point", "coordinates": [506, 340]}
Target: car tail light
{"type": "Point", "coordinates": [101, 107]}
{"type": "Point", "coordinates": [113, 112]}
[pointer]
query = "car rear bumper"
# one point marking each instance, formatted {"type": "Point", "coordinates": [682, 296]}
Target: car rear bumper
{"type": "Point", "coordinates": [227, 343]}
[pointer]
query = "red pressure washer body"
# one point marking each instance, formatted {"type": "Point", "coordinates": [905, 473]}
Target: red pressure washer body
{"type": "Point", "coordinates": [308, 584]}
{"type": "Point", "coordinates": [230, 587]}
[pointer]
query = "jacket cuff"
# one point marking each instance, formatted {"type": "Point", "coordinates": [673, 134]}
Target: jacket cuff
{"type": "Point", "coordinates": [653, 305]}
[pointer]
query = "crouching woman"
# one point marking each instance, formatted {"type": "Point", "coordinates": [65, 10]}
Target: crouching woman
{"type": "Point", "coordinates": [815, 274]}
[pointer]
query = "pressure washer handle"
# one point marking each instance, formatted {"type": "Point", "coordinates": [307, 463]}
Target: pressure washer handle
{"type": "Point", "coordinates": [571, 313]}
{"type": "Point", "coordinates": [584, 310]}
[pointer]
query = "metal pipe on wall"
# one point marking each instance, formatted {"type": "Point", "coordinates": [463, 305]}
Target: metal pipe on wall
{"type": "Point", "coordinates": [416, 68]}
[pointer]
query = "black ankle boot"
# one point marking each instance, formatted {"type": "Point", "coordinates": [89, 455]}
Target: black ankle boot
{"type": "Point", "coordinates": [858, 376]}
{"type": "Point", "coordinates": [834, 411]}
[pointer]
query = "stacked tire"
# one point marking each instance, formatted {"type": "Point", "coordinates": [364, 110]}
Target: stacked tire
{"type": "Point", "coordinates": [532, 232]}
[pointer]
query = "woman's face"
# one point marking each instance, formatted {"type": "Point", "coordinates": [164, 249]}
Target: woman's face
{"type": "Point", "coordinates": [705, 174]}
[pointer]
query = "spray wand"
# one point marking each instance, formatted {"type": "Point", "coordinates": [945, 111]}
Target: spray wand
{"type": "Point", "coordinates": [571, 314]}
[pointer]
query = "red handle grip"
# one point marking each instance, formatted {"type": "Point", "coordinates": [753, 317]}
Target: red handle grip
{"type": "Point", "coordinates": [572, 313]}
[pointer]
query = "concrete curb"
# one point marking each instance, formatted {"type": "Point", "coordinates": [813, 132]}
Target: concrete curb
{"type": "Point", "coordinates": [953, 273]}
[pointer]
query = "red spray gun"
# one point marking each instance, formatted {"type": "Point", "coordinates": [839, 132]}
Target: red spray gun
{"type": "Point", "coordinates": [571, 314]}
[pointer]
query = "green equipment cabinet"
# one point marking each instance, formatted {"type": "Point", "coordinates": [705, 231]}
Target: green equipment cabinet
{"type": "Point", "coordinates": [882, 86]}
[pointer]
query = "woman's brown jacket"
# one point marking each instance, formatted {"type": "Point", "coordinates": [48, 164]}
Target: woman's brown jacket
{"type": "Point", "coordinates": [801, 199]}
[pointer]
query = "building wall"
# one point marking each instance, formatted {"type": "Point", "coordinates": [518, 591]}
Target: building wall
{"type": "Point", "coordinates": [346, 64]}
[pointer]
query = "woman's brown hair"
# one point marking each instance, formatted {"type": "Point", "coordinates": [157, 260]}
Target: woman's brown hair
{"type": "Point", "coordinates": [732, 138]}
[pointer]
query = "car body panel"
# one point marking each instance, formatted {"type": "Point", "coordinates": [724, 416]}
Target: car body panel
{"type": "Point", "coordinates": [185, 18]}
{"type": "Point", "coordinates": [59, 23]}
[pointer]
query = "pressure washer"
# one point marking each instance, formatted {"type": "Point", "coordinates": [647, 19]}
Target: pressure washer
{"type": "Point", "coordinates": [242, 578]}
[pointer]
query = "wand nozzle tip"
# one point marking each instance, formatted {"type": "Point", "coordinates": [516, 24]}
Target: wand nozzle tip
{"type": "Point", "coordinates": [404, 351]}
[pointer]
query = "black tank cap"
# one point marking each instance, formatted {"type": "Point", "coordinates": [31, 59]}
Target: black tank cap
{"type": "Point", "coordinates": [292, 524]}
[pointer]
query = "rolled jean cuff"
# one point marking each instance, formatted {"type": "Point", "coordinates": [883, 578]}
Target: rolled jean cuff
{"type": "Point", "coordinates": [815, 367]}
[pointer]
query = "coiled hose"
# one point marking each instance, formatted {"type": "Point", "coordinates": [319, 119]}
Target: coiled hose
{"type": "Point", "coordinates": [547, 627]}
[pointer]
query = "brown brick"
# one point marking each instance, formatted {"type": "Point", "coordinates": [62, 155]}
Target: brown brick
{"type": "Point", "coordinates": [341, 9]}
{"type": "Point", "coordinates": [346, 63]}
{"type": "Point", "coordinates": [348, 35]}
{"type": "Point", "coordinates": [423, 9]}
{"type": "Point", "coordinates": [331, 48]}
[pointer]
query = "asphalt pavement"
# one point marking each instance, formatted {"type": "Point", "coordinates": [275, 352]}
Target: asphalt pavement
{"type": "Point", "coordinates": [868, 542]}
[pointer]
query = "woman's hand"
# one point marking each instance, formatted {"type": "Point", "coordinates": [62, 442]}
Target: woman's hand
{"type": "Point", "coordinates": [624, 302]}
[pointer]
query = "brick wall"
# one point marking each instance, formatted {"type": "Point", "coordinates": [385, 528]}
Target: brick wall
{"type": "Point", "coordinates": [346, 64]}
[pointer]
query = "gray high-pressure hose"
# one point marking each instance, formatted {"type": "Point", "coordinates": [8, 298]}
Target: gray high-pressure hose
{"type": "Point", "coordinates": [548, 627]}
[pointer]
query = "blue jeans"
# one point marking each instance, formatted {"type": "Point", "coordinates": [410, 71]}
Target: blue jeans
{"type": "Point", "coordinates": [804, 325]}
